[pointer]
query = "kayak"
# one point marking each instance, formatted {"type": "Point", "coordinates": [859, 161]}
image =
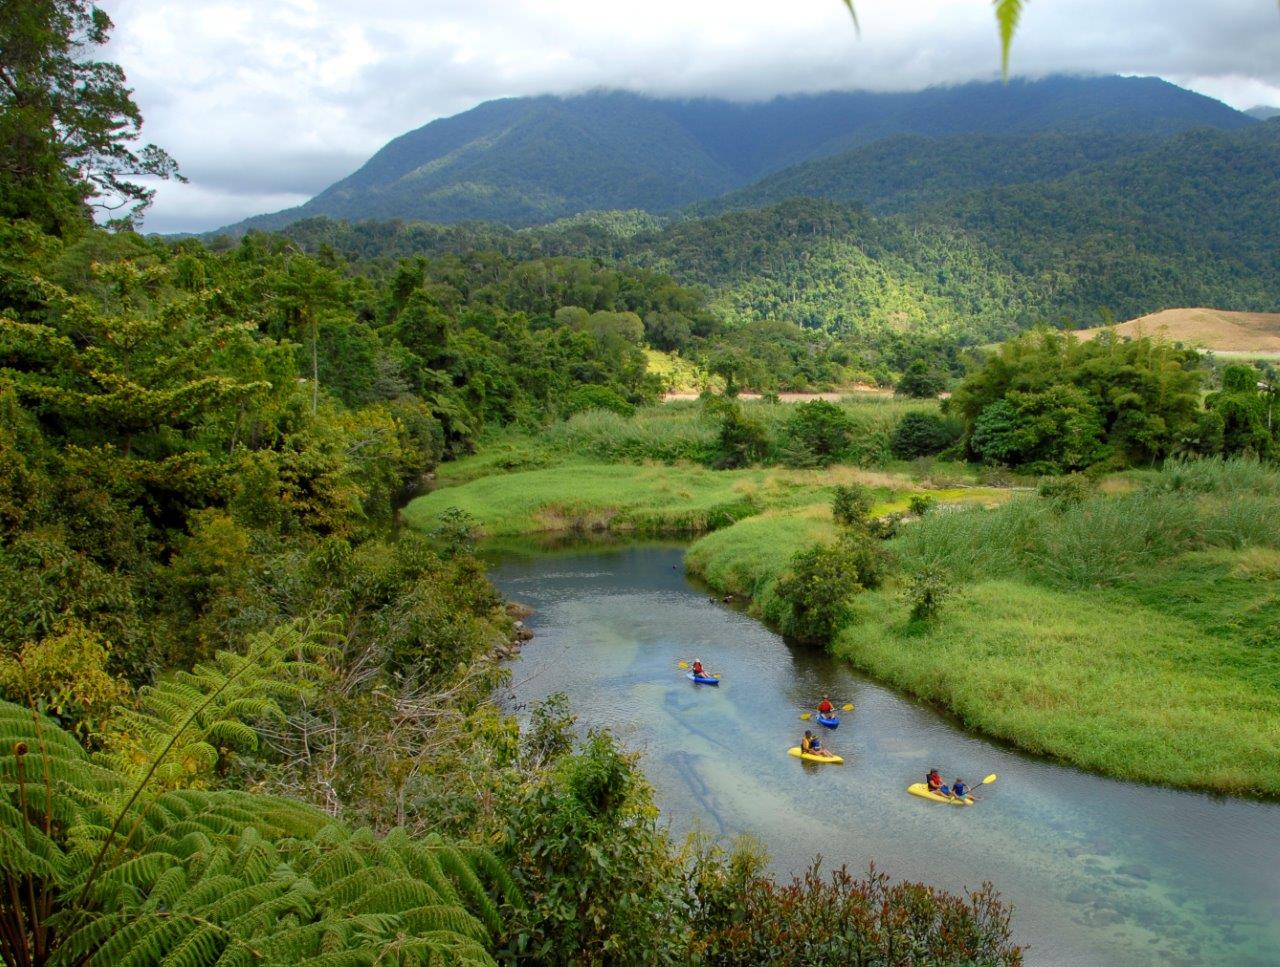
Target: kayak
{"type": "Point", "coordinates": [922, 790]}
{"type": "Point", "coordinates": [831, 723]}
{"type": "Point", "coordinates": [703, 679]}
{"type": "Point", "coordinates": [810, 757]}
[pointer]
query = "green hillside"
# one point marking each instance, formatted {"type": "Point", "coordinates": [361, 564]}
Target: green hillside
{"type": "Point", "coordinates": [531, 160]}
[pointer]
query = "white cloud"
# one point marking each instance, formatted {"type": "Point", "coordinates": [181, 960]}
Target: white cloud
{"type": "Point", "coordinates": [262, 101]}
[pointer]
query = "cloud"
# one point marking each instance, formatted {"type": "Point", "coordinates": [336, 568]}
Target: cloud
{"type": "Point", "coordinates": [266, 101]}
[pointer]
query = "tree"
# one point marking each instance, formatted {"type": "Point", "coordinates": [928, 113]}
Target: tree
{"type": "Point", "coordinates": [67, 122]}
{"type": "Point", "coordinates": [818, 433]}
{"type": "Point", "coordinates": [922, 435]}
{"type": "Point", "coordinates": [920, 381]}
{"type": "Point", "coordinates": [1243, 408]}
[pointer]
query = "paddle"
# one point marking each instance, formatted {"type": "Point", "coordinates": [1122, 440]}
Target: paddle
{"type": "Point", "coordinates": [846, 707]}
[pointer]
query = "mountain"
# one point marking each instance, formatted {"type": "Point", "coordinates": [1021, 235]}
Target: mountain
{"type": "Point", "coordinates": [528, 160]}
{"type": "Point", "coordinates": [906, 171]}
{"type": "Point", "coordinates": [1190, 221]}
{"type": "Point", "coordinates": [1263, 113]}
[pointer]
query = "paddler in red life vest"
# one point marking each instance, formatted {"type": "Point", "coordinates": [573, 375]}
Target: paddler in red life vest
{"type": "Point", "coordinates": [697, 668]}
{"type": "Point", "coordinates": [825, 708]}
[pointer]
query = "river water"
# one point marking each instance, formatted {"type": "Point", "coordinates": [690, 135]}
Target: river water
{"type": "Point", "coordinates": [1099, 872]}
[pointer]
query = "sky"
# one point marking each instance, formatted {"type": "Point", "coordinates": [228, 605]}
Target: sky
{"type": "Point", "coordinates": [266, 102]}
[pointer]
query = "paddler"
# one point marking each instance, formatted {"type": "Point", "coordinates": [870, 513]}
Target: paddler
{"type": "Point", "coordinates": [697, 668]}
{"type": "Point", "coordinates": [934, 781]}
{"type": "Point", "coordinates": [812, 745]}
{"type": "Point", "coordinates": [825, 708]}
{"type": "Point", "coordinates": [958, 789]}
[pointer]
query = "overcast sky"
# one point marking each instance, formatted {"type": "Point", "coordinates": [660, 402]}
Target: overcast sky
{"type": "Point", "coordinates": [266, 102]}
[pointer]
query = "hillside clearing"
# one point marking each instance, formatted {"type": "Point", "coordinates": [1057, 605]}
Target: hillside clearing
{"type": "Point", "coordinates": [1218, 330]}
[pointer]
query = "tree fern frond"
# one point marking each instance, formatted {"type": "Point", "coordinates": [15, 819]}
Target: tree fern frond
{"type": "Point", "coordinates": [438, 917]}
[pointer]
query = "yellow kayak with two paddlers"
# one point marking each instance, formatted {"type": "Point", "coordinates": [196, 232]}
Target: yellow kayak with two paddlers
{"type": "Point", "coordinates": [923, 791]}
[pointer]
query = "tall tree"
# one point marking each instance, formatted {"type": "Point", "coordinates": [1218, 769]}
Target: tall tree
{"type": "Point", "coordinates": [68, 123]}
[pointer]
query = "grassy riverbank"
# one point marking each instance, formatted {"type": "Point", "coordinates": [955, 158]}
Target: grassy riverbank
{"type": "Point", "coordinates": [1134, 635]}
{"type": "Point", "coordinates": [1131, 630]}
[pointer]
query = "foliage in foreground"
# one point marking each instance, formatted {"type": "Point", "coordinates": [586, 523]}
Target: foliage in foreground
{"type": "Point", "coordinates": [743, 917]}
{"type": "Point", "coordinates": [122, 858]}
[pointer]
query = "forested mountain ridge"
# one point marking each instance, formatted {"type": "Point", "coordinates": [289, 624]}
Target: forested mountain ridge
{"type": "Point", "coordinates": [1189, 222]}
{"type": "Point", "coordinates": [910, 170]}
{"type": "Point", "coordinates": [527, 160]}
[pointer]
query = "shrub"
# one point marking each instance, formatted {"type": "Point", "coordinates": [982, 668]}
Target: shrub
{"type": "Point", "coordinates": [926, 591]}
{"type": "Point", "coordinates": [746, 918]}
{"type": "Point", "coordinates": [923, 435]}
{"type": "Point", "coordinates": [1068, 491]}
{"type": "Point", "coordinates": [741, 440]}
{"type": "Point", "coordinates": [817, 434]}
{"type": "Point", "coordinates": [921, 504]}
{"type": "Point", "coordinates": [920, 381]}
{"type": "Point", "coordinates": [592, 397]}
{"type": "Point", "coordinates": [820, 581]}
{"type": "Point", "coordinates": [850, 505]}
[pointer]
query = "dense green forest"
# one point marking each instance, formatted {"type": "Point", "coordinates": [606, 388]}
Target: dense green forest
{"type": "Point", "coordinates": [1189, 222]}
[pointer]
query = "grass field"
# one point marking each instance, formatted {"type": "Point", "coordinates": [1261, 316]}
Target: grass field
{"type": "Point", "coordinates": [1097, 679]}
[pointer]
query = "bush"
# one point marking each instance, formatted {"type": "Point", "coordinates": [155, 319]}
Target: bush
{"type": "Point", "coordinates": [592, 397]}
{"type": "Point", "coordinates": [820, 581]}
{"type": "Point", "coordinates": [923, 435]}
{"type": "Point", "coordinates": [745, 918]}
{"type": "Point", "coordinates": [921, 504]}
{"type": "Point", "coordinates": [850, 505]}
{"type": "Point", "coordinates": [920, 381]}
{"type": "Point", "coordinates": [926, 591]}
{"type": "Point", "coordinates": [817, 434]}
{"type": "Point", "coordinates": [742, 440]}
{"type": "Point", "coordinates": [1064, 492]}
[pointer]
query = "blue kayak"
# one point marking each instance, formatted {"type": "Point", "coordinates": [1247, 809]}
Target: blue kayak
{"type": "Point", "coordinates": [831, 723]}
{"type": "Point", "coordinates": [703, 679]}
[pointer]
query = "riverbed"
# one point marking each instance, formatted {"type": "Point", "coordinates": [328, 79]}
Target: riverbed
{"type": "Point", "coordinates": [1098, 871]}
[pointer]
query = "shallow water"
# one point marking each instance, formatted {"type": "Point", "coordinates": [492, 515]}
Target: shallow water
{"type": "Point", "coordinates": [1099, 872]}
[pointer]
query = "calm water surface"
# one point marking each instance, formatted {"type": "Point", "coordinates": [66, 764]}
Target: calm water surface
{"type": "Point", "coordinates": [1099, 872]}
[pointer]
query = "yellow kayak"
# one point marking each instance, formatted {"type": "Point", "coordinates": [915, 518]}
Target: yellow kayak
{"type": "Point", "coordinates": [922, 790]}
{"type": "Point", "coordinates": [810, 757]}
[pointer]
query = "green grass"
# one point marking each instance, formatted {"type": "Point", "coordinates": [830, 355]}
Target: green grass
{"type": "Point", "coordinates": [1100, 680]}
{"type": "Point", "coordinates": [1136, 634]}
{"type": "Point", "coordinates": [679, 432]}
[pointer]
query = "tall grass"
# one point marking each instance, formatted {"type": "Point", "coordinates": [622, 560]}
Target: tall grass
{"type": "Point", "coordinates": [1105, 539]}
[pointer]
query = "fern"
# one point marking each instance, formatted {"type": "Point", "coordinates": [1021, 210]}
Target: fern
{"type": "Point", "coordinates": [1008, 13]}
{"type": "Point", "coordinates": [123, 859]}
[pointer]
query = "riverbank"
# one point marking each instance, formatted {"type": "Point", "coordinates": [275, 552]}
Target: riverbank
{"type": "Point", "coordinates": [1130, 635]}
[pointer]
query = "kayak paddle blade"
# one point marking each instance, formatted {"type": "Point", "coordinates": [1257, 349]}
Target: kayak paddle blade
{"type": "Point", "coordinates": [991, 778]}
{"type": "Point", "coordinates": [804, 717]}
{"type": "Point", "coordinates": [847, 707]}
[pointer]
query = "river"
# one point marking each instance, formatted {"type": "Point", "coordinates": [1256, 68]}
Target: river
{"type": "Point", "coordinates": [1098, 871]}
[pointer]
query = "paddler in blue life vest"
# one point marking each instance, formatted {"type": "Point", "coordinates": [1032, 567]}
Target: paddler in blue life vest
{"type": "Point", "coordinates": [812, 745]}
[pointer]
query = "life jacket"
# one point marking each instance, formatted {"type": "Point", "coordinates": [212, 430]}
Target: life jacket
{"type": "Point", "coordinates": [697, 668]}
{"type": "Point", "coordinates": [825, 707]}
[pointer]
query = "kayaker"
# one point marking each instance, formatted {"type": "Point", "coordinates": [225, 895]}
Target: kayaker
{"type": "Point", "coordinates": [825, 708]}
{"type": "Point", "coordinates": [934, 781]}
{"type": "Point", "coordinates": [958, 789]}
{"type": "Point", "coordinates": [813, 745]}
{"type": "Point", "coordinates": [697, 668]}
